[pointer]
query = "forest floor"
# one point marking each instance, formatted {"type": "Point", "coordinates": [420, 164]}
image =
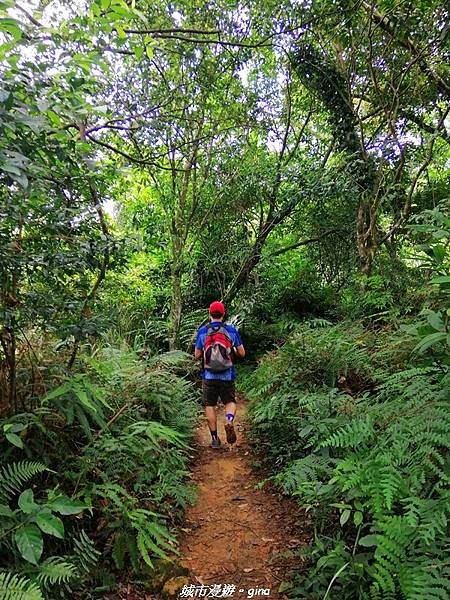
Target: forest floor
{"type": "Point", "coordinates": [237, 536]}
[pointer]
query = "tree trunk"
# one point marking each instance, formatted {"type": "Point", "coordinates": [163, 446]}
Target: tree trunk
{"type": "Point", "coordinates": [365, 242]}
{"type": "Point", "coordinates": [175, 307]}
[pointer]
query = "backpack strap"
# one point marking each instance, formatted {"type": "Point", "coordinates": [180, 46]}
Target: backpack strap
{"type": "Point", "coordinates": [217, 328]}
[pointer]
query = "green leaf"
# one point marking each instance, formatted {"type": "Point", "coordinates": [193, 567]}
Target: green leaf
{"type": "Point", "coordinates": [368, 540]}
{"type": "Point", "coordinates": [50, 524]}
{"type": "Point", "coordinates": [26, 501]}
{"type": "Point", "coordinates": [11, 26]}
{"type": "Point", "coordinates": [30, 543]}
{"type": "Point", "coordinates": [5, 511]}
{"type": "Point", "coordinates": [441, 279]}
{"type": "Point", "coordinates": [54, 118]}
{"type": "Point", "coordinates": [57, 392]}
{"type": "Point", "coordinates": [14, 439]}
{"type": "Point", "coordinates": [357, 518]}
{"type": "Point", "coordinates": [65, 506]}
{"type": "Point", "coordinates": [344, 516]}
{"type": "Point", "coordinates": [16, 427]}
{"type": "Point", "coordinates": [83, 397]}
{"type": "Point", "coordinates": [435, 320]}
{"type": "Point", "coordinates": [149, 51]}
{"type": "Point", "coordinates": [428, 341]}
{"type": "Point", "coordinates": [439, 252]}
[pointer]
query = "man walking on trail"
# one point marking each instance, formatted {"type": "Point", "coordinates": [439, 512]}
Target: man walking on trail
{"type": "Point", "coordinates": [218, 344]}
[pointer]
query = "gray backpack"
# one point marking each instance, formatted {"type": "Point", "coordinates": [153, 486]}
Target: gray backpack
{"type": "Point", "coordinates": [218, 351]}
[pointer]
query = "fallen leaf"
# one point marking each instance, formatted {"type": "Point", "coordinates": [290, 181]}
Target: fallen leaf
{"type": "Point", "coordinates": [248, 570]}
{"type": "Point", "coordinates": [294, 542]}
{"type": "Point", "coordinates": [267, 539]}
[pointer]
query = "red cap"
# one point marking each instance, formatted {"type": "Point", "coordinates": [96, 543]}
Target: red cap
{"type": "Point", "coordinates": [217, 307]}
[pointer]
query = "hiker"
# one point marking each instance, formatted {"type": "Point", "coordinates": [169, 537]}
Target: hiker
{"type": "Point", "coordinates": [218, 344]}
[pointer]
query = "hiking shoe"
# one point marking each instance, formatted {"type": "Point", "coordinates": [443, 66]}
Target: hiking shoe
{"type": "Point", "coordinates": [215, 443]}
{"type": "Point", "coordinates": [231, 434]}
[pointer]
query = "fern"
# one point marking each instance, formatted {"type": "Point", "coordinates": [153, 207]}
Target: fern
{"type": "Point", "coordinates": [151, 536]}
{"type": "Point", "coordinates": [15, 587]}
{"type": "Point", "coordinates": [56, 570]}
{"type": "Point", "coordinates": [14, 475]}
{"type": "Point", "coordinates": [85, 556]}
{"type": "Point", "coordinates": [352, 435]}
{"type": "Point", "coordinates": [385, 458]}
{"type": "Point", "coordinates": [171, 360]}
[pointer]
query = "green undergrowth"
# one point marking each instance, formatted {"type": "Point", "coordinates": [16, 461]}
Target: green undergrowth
{"type": "Point", "coordinates": [94, 476]}
{"type": "Point", "coordinates": [355, 425]}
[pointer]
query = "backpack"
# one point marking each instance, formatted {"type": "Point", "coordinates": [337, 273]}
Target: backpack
{"type": "Point", "coordinates": [218, 351]}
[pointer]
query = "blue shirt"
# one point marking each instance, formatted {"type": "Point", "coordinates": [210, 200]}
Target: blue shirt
{"type": "Point", "coordinates": [229, 374]}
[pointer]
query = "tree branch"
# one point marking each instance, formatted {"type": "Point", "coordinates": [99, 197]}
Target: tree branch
{"type": "Point", "coordinates": [302, 243]}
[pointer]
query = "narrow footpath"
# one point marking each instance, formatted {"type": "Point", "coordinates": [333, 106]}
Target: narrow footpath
{"type": "Point", "coordinates": [236, 535]}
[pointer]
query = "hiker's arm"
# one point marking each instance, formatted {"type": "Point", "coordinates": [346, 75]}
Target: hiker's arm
{"type": "Point", "coordinates": [240, 351]}
{"type": "Point", "coordinates": [198, 346]}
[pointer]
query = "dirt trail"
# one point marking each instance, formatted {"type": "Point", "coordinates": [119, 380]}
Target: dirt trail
{"type": "Point", "coordinates": [235, 534]}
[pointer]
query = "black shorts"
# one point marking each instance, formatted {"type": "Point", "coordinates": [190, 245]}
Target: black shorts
{"type": "Point", "coordinates": [215, 388]}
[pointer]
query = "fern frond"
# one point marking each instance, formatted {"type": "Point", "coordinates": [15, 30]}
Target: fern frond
{"type": "Point", "coordinates": [14, 475]}
{"type": "Point", "coordinates": [14, 587]}
{"type": "Point", "coordinates": [352, 435]}
{"type": "Point", "coordinates": [170, 360]}
{"type": "Point", "coordinates": [85, 556]}
{"type": "Point", "coordinates": [151, 536]}
{"type": "Point", "coordinates": [56, 570]}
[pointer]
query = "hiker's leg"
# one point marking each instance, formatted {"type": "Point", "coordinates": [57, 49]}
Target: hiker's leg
{"type": "Point", "coordinates": [230, 410]}
{"type": "Point", "coordinates": [228, 396]}
{"type": "Point", "coordinates": [211, 415]}
{"type": "Point", "coordinates": [210, 397]}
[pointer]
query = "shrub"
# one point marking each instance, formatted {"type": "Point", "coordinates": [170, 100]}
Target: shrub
{"type": "Point", "coordinates": [358, 433]}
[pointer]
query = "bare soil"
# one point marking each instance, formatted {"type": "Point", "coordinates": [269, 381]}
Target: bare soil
{"type": "Point", "coordinates": [237, 534]}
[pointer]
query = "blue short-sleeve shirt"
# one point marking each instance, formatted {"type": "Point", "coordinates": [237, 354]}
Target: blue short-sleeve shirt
{"type": "Point", "coordinates": [229, 374]}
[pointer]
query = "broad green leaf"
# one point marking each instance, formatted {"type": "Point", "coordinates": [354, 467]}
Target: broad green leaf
{"type": "Point", "coordinates": [53, 118]}
{"type": "Point", "coordinates": [11, 26]}
{"type": "Point", "coordinates": [50, 524]}
{"type": "Point", "coordinates": [357, 518]}
{"type": "Point", "coordinates": [439, 252]}
{"type": "Point", "coordinates": [83, 397]}
{"type": "Point", "coordinates": [30, 543]}
{"type": "Point", "coordinates": [345, 516]}
{"type": "Point", "coordinates": [428, 341]}
{"type": "Point", "coordinates": [57, 392]}
{"type": "Point", "coordinates": [120, 32]}
{"type": "Point", "coordinates": [368, 540]}
{"type": "Point", "coordinates": [149, 51]}
{"type": "Point", "coordinates": [26, 501]}
{"type": "Point", "coordinates": [65, 506]}
{"type": "Point", "coordinates": [14, 439]}
{"type": "Point", "coordinates": [441, 279]}
{"type": "Point", "coordinates": [435, 320]}
{"type": "Point", "coordinates": [15, 427]}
